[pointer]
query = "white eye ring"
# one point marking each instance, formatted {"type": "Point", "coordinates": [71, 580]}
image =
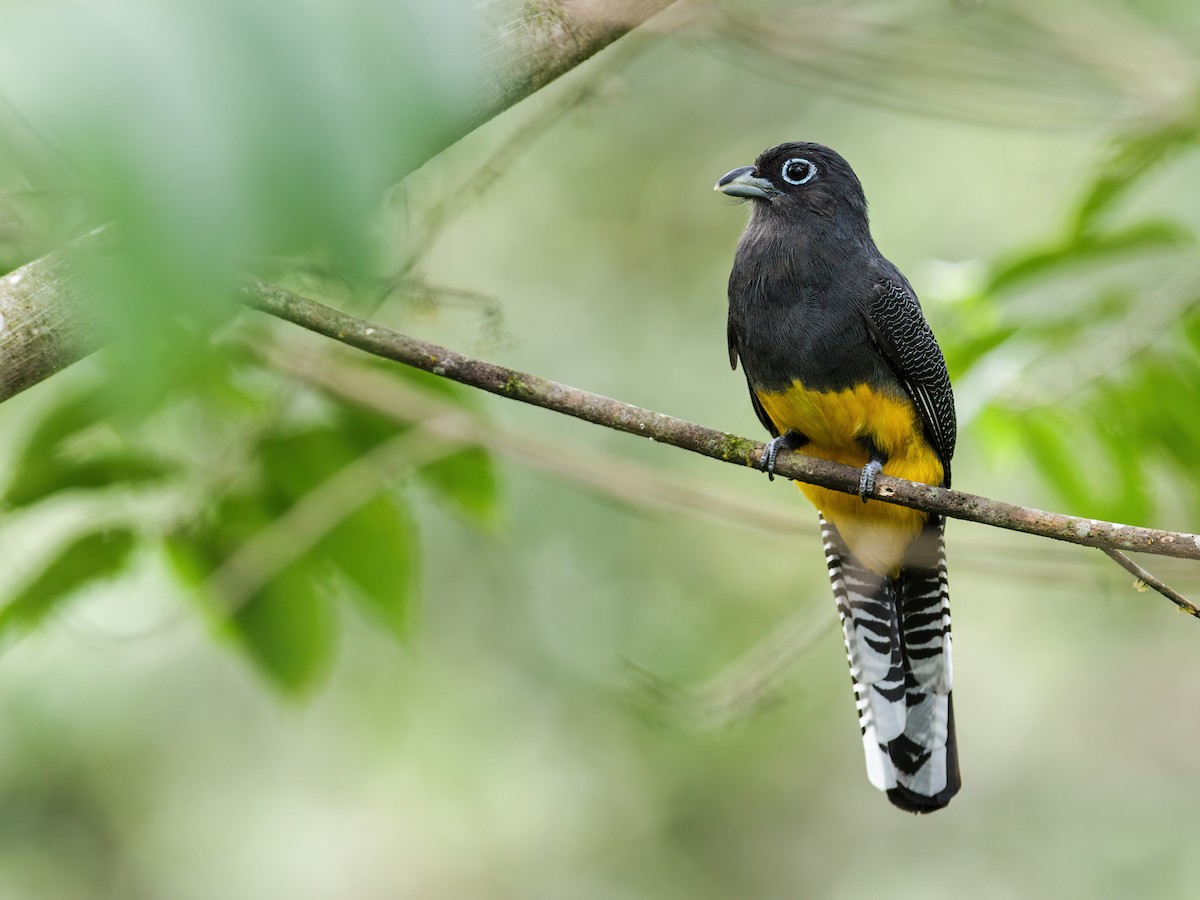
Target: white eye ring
{"type": "Point", "coordinates": [812, 170]}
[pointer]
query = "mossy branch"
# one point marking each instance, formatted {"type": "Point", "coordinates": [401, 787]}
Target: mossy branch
{"type": "Point", "coordinates": [384, 342]}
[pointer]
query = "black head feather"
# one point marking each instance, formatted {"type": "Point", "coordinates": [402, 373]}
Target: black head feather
{"type": "Point", "coordinates": [811, 179]}
{"type": "Point", "coordinates": [801, 180]}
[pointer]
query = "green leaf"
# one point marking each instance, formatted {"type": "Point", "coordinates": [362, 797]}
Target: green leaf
{"type": "Point", "coordinates": [1191, 326]}
{"type": "Point", "coordinates": [1157, 422]}
{"type": "Point", "coordinates": [196, 551]}
{"type": "Point", "coordinates": [364, 428]}
{"type": "Point", "coordinates": [1082, 248]}
{"type": "Point", "coordinates": [1127, 493]}
{"type": "Point", "coordinates": [39, 479]}
{"type": "Point", "coordinates": [100, 554]}
{"type": "Point", "coordinates": [186, 557]}
{"type": "Point", "coordinates": [968, 350]}
{"type": "Point", "coordinates": [1130, 161]}
{"type": "Point", "coordinates": [294, 463]}
{"type": "Point", "coordinates": [466, 480]}
{"type": "Point", "coordinates": [1051, 440]}
{"type": "Point", "coordinates": [48, 465]}
{"type": "Point", "coordinates": [376, 549]}
{"type": "Point", "coordinates": [69, 416]}
{"type": "Point", "coordinates": [286, 627]}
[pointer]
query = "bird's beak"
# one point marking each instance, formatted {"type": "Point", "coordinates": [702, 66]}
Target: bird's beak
{"type": "Point", "coordinates": [744, 183]}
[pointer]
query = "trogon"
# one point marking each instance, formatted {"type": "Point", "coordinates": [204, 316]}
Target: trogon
{"type": "Point", "coordinates": [842, 365]}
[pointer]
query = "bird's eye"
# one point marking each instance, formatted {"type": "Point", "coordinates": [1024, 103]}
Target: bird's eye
{"type": "Point", "coordinates": [798, 171]}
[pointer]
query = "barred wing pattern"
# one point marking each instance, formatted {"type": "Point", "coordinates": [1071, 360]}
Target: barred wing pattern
{"type": "Point", "coordinates": [901, 332]}
{"type": "Point", "coordinates": [897, 634]}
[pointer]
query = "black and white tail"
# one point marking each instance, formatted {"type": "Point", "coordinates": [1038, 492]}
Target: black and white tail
{"type": "Point", "coordinates": [897, 632]}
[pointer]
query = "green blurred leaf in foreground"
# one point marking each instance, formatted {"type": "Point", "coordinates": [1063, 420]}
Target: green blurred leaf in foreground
{"type": "Point", "coordinates": [97, 555]}
{"type": "Point", "coordinates": [286, 626]}
{"type": "Point", "coordinates": [219, 136]}
{"type": "Point", "coordinates": [74, 448]}
{"type": "Point", "coordinates": [1095, 327]}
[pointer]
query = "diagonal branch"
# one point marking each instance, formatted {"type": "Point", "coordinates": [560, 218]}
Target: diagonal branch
{"type": "Point", "coordinates": [526, 44]}
{"type": "Point", "coordinates": [617, 478]}
{"type": "Point", "coordinates": [1148, 580]}
{"type": "Point", "coordinates": [740, 688]}
{"type": "Point", "coordinates": [389, 344]}
{"type": "Point", "coordinates": [46, 321]}
{"type": "Point", "coordinates": [294, 532]}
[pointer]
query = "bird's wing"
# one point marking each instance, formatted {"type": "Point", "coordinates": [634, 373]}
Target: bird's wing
{"type": "Point", "coordinates": [731, 334]}
{"type": "Point", "coordinates": [898, 327]}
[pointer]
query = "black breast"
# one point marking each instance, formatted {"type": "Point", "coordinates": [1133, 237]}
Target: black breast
{"type": "Point", "coordinates": [796, 312]}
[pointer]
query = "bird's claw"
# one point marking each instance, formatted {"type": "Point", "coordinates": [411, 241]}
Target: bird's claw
{"type": "Point", "coordinates": [866, 483]}
{"type": "Point", "coordinates": [789, 440]}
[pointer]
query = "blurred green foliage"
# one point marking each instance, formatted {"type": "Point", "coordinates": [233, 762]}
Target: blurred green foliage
{"type": "Point", "coordinates": [219, 137]}
{"type": "Point", "coordinates": [1107, 313]}
{"type": "Point", "coordinates": [99, 555]}
{"type": "Point", "coordinates": [216, 135]}
{"type": "Point", "coordinates": [259, 472]}
{"type": "Point", "coordinates": [462, 628]}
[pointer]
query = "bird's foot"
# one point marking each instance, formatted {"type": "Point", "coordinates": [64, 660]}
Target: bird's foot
{"type": "Point", "coordinates": [866, 482]}
{"type": "Point", "coordinates": [789, 440]}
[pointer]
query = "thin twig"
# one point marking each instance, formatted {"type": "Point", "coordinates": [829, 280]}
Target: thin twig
{"type": "Point", "coordinates": [293, 533]}
{"type": "Point", "coordinates": [740, 688]}
{"type": "Point", "coordinates": [388, 344]}
{"type": "Point", "coordinates": [1149, 580]}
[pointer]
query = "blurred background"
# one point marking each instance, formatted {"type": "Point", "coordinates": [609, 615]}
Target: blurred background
{"type": "Point", "coordinates": [555, 661]}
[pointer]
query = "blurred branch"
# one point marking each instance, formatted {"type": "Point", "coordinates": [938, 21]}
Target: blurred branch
{"type": "Point", "coordinates": [1019, 64]}
{"type": "Point", "coordinates": [388, 344]}
{"type": "Point", "coordinates": [740, 688]}
{"type": "Point", "coordinates": [482, 177]}
{"type": "Point", "coordinates": [295, 531]}
{"type": "Point", "coordinates": [45, 322]}
{"type": "Point", "coordinates": [991, 65]}
{"type": "Point", "coordinates": [617, 478]}
{"type": "Point", "coordinates": [526, 44]}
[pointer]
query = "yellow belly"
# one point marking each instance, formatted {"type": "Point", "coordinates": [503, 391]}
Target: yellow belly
{"type": "Point", "coordinates": [836, 424]}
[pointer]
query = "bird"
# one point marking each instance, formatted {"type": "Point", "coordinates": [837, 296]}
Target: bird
{"type": "Point", "coordinates": [842, 365]}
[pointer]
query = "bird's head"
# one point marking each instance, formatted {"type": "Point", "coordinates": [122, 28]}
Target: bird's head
{"type": "Point", "coordinates": [799, 180]}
